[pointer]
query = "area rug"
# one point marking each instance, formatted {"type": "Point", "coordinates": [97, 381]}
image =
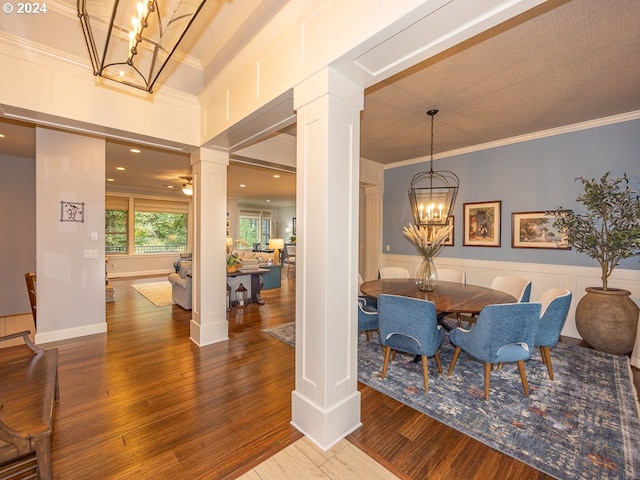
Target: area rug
{"type": "Point", "coordinates": [583, 425]}
{"type": "Point", "coordinates": [158, 293]}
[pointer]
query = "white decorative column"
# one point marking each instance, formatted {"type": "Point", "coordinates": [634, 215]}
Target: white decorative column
{"type": "Point", "coordinates": [209, 322]}
{"type": "Point", "coordinates": [326, 401]}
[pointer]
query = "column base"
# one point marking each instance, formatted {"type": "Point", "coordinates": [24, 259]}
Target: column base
{"type": "Point", "coordinates": [325, 428]}
{"type": "Point", "coordinates": [210, 333]}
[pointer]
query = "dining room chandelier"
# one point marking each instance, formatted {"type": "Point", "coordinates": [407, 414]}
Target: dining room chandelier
{"type": "Point", "coordinates": [432, 194]}
{"type": "Point", "coordinates": [131, 41]}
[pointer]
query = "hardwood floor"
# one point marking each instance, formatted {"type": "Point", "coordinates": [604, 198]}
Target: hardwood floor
{"type": "Point", "coordinates": [142, 401]}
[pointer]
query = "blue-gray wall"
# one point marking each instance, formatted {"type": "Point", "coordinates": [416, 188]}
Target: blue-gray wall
{"type": "Point", "coordinates": [535, 175]}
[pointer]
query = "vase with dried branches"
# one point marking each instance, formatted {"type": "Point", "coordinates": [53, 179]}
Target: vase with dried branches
{"type": "Point", "coordinates": [429, 242]}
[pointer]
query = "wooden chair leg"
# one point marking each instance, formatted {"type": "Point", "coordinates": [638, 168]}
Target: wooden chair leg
{"type": "Point", "coordinates": [546, 357]}
{"type": "Point", "coordinates": [366, 334]}
{"type": "Point", "coordinates": [523, 377]}
{"type": "Point", "coordinates": [438, 363]}
{"type": "Point", "coordinates": [456, 354]}
{"type": "Point", "coordinates": [487, 379]}
{"type": "Point", "coordinates": [425, 373]}
{"type": "Point", "coordinates": [387, 352]}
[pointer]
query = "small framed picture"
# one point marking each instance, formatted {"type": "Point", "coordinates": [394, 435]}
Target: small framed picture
{"type": "Point", "coordinates": [71, 211]}
{"type": "Point", "coordinates": [449, 241]}
{"type": "Point", "coordinates": [536, 230]}
{"type": "Point", "coordinates": [482, 223]}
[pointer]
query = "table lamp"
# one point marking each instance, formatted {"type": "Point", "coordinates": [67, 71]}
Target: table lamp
{"type": "Point", "coordinates": [276, 244]}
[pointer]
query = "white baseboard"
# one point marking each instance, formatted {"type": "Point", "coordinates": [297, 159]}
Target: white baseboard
{"type": "Point", "coordinates": [65, 334]}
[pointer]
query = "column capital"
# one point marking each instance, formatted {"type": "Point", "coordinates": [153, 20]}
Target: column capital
{"type": "Point", "coordinates": [328, 81]}
{"type": "Point", "coordinates": [210, 155]}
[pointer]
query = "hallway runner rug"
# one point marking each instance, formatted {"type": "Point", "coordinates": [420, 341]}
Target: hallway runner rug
{"type": "Point", "coordinates": [158, 293]}
{"type": "Point", "coordinates": [583, 425]}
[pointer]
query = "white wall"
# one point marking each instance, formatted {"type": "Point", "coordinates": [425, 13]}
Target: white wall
{"type": "Point", "coordinates": [18, 220]}
{"type": "Point", "coordinates": [71, 288]}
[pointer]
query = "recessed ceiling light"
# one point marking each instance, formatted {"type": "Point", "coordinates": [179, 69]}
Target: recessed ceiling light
{"type": "Point", "coordinates": [135, 150]}
{"type": "Point", "coordinates": [242, 185]}
{"type": "Point", "coordinates": [120, 168]}
{"type": "Point", "coordinates": [111, 179]}
{"type": "Point", "coordinates": [276, 176]}
{"type": "Point", "coordinates": [268, 200]}
{"type": "Point", "coordinates": [1, 135]}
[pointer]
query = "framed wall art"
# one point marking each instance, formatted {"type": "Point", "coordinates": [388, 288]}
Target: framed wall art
{"type": "Point", "coordinates": [449, 241]}
{"type": "Point", "coordinates": [481, 224]}
{"type": "Point", "coordinates": [71, 211]}
{"type": "Point", "coordinates": [536, 230]}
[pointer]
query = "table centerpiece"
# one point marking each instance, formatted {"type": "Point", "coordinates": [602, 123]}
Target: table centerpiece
{"type": "Point", "coordinates": [429, 242]}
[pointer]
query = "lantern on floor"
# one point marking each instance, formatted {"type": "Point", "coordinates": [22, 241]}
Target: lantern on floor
{"type": "Point", "coordinates": [241, 296]}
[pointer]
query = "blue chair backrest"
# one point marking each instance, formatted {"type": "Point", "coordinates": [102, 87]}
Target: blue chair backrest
{"type": "Point", "coordinates": [367, 316]}
{"type": "Point", "coordinates": [504, 324]}
{"type": "Point", "coordinates": [409, 324]}
{"type": "Point", "coordinates": [555, 308]}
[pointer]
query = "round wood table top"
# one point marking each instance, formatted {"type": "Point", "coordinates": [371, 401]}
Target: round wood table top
{"type": "Point", "coordinates": [449, 297]}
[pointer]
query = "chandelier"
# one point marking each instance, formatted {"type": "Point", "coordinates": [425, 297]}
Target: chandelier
{"type": "Point", "coordinates": [432, 194]}
{"type": "Point", "coordinates": [131, 41]}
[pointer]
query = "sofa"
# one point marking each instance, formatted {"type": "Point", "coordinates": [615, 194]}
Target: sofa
{"type": "Point", "coordinates": [249, 257]}
{"type": "Point", "coordinates": [181, 293]}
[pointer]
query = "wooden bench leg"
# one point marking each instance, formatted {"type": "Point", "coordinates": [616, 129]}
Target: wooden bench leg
{"type": "Point", "coordinates": [43, 455]}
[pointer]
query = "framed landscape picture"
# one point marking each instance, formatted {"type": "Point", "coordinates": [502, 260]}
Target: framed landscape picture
{"type": "Point", "coordinates": [482, 224]}
{"type": "Point", "coordinates": [536, 230]}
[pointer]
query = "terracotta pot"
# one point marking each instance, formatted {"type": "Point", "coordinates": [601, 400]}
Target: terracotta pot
{"type": "Point", "coordinates": [607, 320]}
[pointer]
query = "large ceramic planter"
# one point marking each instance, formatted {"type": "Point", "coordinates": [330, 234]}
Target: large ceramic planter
{"type": "Point", "coordinates": [607, 320]}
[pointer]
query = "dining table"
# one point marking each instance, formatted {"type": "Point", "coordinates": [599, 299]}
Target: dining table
{"type": "Point", "coordinates": [449, 297]}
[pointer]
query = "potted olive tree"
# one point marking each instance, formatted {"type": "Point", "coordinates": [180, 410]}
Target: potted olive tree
{"type": "Point", "coordinates": [608, 232]}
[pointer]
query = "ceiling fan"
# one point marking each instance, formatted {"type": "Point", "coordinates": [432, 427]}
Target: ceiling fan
{"type": "Point", "coordinates": [187, 188]}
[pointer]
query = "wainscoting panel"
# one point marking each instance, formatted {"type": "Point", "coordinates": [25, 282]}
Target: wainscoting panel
{"type": "Point", "coordinates": [543, 277]}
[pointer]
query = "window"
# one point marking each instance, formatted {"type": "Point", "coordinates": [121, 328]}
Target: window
{"type": "Point", "coordinates": [254, 228]}
{"type": "Point", "coordinates": [157, 226]}
{"type": "Point", "coordinates": [160, 226]}
{"type": "Point", "coordinates": [116, 221]}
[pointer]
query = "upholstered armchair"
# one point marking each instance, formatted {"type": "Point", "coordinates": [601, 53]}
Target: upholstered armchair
{"type": "Point", "coordinates": [393, 272]}
{"type": "Point", "coordinates": [181, 292]}
{"type": "Point", "coordinates": [502, 334]}
{"type": "Point", "coordinates": [367, 317]}
{"type": "Point", "coordinates": [518, 287]}
{"type": "Point", "coordinates": [555, 304]}
{"type": "Point", "coordinates": [409, 325]}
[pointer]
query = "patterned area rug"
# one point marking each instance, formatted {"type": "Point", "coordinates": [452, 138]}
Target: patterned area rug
{"type": "Point", "coordinates": [158, 293]}
{"type": "Point", "coordinates": [583, 425]}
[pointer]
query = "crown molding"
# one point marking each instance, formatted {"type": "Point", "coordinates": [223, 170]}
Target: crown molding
{"type": "Point", "coordinates": [576, 127]}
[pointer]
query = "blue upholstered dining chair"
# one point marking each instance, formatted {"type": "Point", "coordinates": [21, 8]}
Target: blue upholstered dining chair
{"type": "Point", "coordinates": [555, 307]}
{"type": "Point", "coordinates": [367, 317]}
{"type": "Point", "coordinates": [409, 325]}
{"type": "Point", "coordinates": [503, 333]}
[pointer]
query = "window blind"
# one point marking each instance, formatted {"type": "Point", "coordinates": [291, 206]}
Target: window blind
{"type": "Point", "coordinates": [160, 206]}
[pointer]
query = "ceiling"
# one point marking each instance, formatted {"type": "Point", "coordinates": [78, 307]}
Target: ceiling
{"type": "Point", "coordinates": [562, 63]}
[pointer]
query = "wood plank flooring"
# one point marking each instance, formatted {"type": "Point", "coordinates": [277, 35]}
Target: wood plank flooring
{"type": "Point", "coordinates": [142, 401]}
